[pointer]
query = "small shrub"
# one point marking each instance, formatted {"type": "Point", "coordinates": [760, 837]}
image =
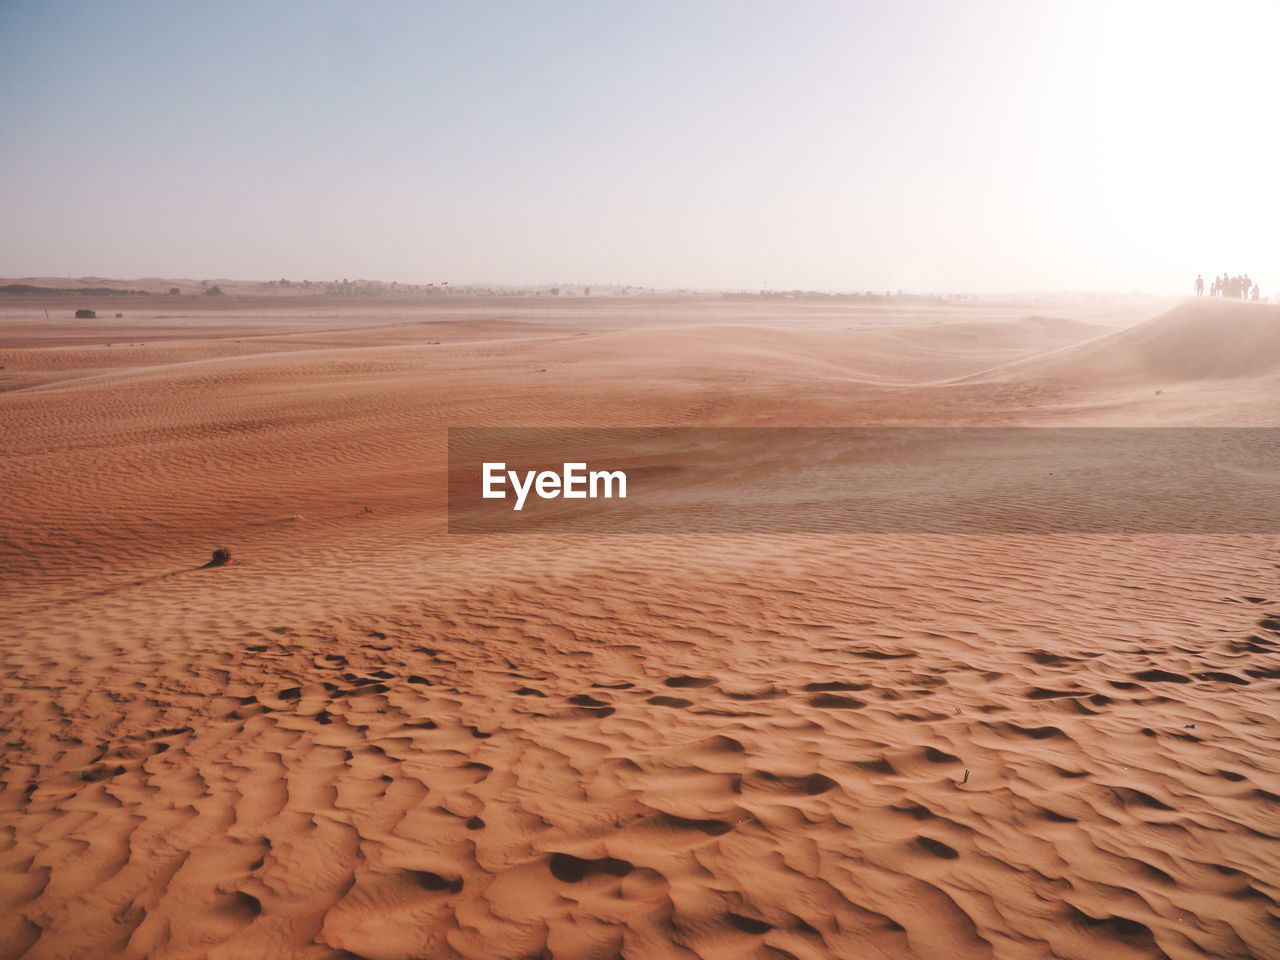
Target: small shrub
{"type": "Point", "coordinates": [221, 556]}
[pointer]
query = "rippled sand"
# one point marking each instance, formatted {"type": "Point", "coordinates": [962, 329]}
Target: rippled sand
{"type": "Point", "coordinates": [365, 737]}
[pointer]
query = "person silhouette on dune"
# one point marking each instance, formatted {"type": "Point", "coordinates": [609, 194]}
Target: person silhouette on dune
{"type": "Point", "coordinates": [1199, 284]}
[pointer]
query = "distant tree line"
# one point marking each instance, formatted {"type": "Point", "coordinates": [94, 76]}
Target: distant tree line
{"type": "Point", "coordinates": [27, 290]}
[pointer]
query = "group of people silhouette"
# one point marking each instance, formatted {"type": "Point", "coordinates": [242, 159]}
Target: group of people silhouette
{"type": "Point", "coordinates": [1241, 288]}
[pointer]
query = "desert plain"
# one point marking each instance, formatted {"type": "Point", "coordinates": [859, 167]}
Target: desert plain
{"type": "Point", "coordinates": [367, 737]}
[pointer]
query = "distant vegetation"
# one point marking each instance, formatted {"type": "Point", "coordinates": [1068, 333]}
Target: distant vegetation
{"type": "Point", "coordinates": [366, 289]}
{"type": "Point", "coordinates": [27, 290]}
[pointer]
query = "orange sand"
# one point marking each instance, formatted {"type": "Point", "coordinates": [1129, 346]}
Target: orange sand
{"type": "Point", "coordinates": [367, 738]}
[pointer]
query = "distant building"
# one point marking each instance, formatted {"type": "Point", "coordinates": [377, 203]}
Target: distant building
{"type": "Point", "coordinates": [86, 315]}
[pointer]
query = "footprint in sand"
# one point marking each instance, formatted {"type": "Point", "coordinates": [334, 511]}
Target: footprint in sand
{"type": "Point", "coordinates": [1161, 676]}
{"type": "Point", "coordinates": [689, 682]}
{"type": "Point", "coordinates": [747, 924]}
{"type": "Point", "coordinates": [836, 702]}
{"type": "Point", "coordinates": [570, 869]}
{"type": "Point", "coordinates": [936, 847]}
{"type": "Point", "coordinates": [677, 702]}
{"type": "Point", "coordinates": [811, 786]}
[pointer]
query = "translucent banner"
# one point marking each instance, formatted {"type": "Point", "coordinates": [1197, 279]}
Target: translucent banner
{"type": "Point", "coordinates": [963, 480]}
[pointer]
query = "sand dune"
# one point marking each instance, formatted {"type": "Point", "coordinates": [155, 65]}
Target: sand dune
{"type": "Point", "coordinates": [365, 737]}
{"type": "Point", "coordinates": [897, 354]}
{"type": "Point", "coordinates": [1224, 348]}
{"type": "Point", "coordinates": [1200, 340]}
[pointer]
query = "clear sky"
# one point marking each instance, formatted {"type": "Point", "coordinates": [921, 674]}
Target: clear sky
{"type": "Point", "coordinates": [930, 146]}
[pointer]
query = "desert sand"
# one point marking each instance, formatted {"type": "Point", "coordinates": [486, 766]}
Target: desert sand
{"type": "Point", "coordinates": [367, 737]}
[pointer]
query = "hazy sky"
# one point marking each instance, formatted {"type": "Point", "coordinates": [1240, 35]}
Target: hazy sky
{"type": "Point", "coordinates": [943, 146]}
